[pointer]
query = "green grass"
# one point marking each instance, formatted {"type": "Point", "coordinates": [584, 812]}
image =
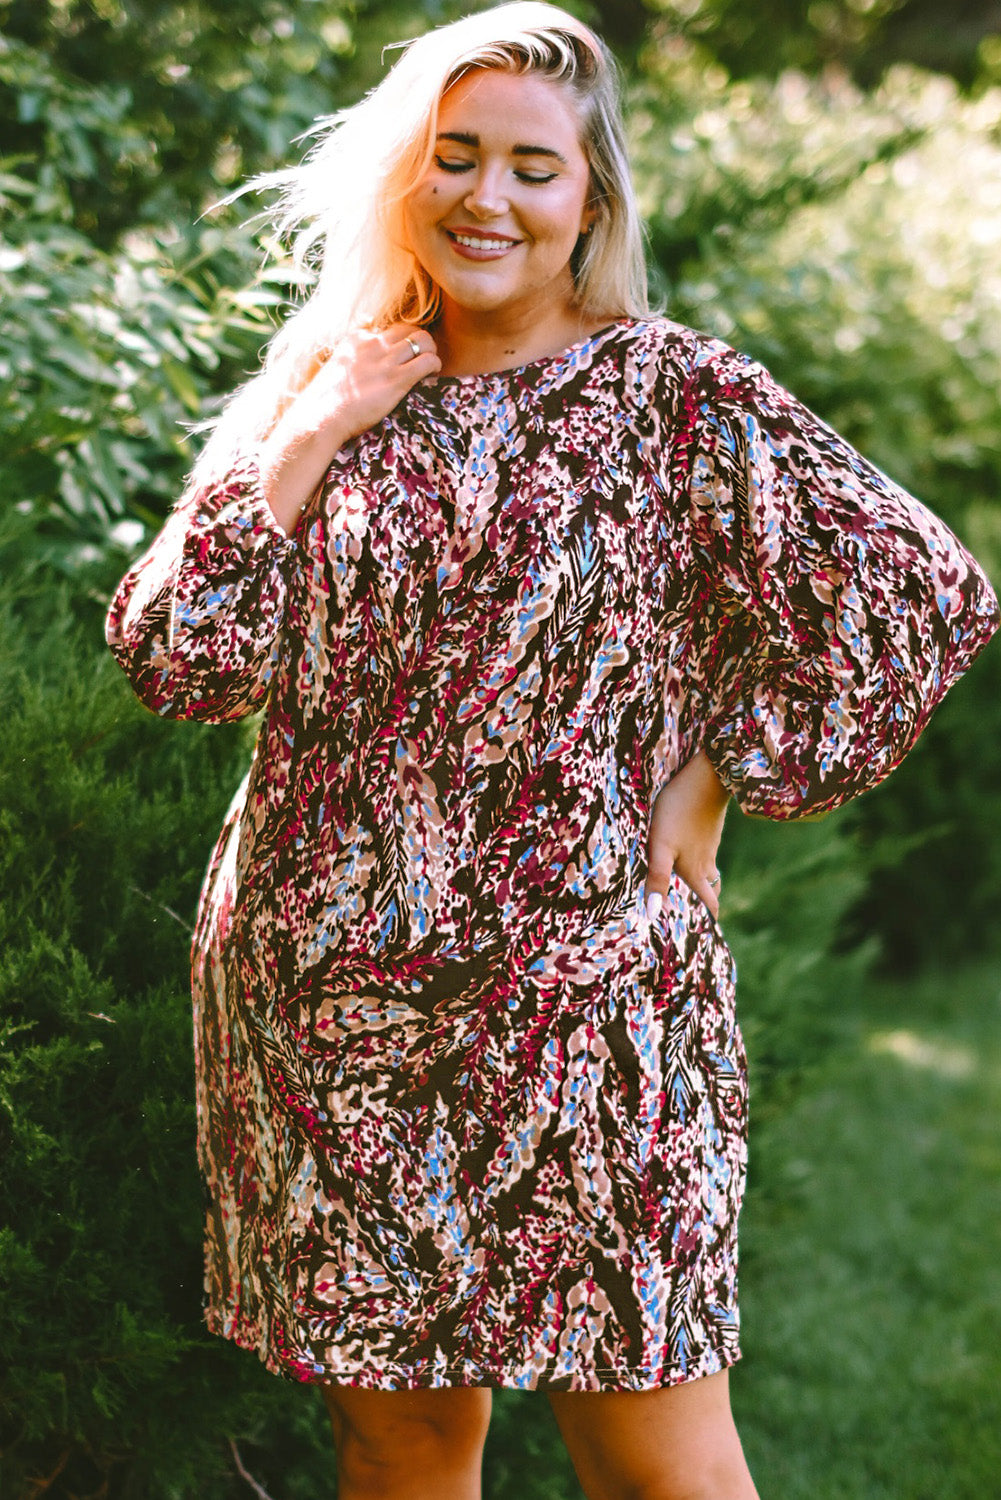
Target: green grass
{"type": "Point", "coordinates": [871, 1285]}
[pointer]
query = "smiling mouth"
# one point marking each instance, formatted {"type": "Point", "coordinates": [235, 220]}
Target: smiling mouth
{"type": "Point", "coordinates": [482, 243]}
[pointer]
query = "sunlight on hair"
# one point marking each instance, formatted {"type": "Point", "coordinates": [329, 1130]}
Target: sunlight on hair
{"type": "Point", "coordinates": [341, 209]}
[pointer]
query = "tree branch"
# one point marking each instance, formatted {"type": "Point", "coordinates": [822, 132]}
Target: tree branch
{"type": "Point", "coordinates": [258, 1489]}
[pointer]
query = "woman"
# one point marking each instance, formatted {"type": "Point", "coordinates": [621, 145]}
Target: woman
{"type": "Point", "coordinates": [528, 584]}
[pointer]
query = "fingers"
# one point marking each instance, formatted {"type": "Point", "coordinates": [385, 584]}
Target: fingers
{"type": "Point", "coordinates": [364, 377]}
{"type": "Point", "coordinates": [706, 887]}
{"type": "Point", "coordinates": [660, 869]}
{"type": "Point", "coordinates": [404, 349]}
{"type": "Point", "coordinates": [411, 345]}
{"type": "Point", "coordinates": [654, 903]}
{"type": "Point", "coordinates": [414, 357]}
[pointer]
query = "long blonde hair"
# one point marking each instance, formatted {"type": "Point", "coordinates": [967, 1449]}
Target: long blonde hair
{"type": "Point", "coordinates": [342, 208]}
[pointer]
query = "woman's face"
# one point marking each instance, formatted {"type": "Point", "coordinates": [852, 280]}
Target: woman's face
{"type": "Point", "coordinates": [494, 219]}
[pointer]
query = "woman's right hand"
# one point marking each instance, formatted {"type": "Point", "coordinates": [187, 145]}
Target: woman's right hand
{"type": "Point", "coordinates": [354, 386]}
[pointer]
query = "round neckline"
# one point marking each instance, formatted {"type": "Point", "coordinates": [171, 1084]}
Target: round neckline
{"type": "Point", "coordinates": [507, 373]}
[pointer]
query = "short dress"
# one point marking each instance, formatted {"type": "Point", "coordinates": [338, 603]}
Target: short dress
{"type": "Point", "coordinates": [466, 1115]}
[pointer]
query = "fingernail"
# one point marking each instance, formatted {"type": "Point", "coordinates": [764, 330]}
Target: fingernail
{"type": "Point", "coordinates": [654, 903]}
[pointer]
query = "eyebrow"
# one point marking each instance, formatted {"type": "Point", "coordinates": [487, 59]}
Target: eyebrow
{"type": "Point", "coordinates": [465, 138]}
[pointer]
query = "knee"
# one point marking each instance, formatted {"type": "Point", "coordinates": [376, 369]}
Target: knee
{"type": "Point", "coordinates": [371, 1459]}
{"type": "Point", "coordinates": [717, 1482]}
{"type": "Point", "coordinates": [696, 1479]}
{"type": "Point", "coordinates": [389, 1439]}
{"type": "Point", "coordinates": [413, 1443]}
{"type": "Point", "coordinates": [652, 1489]}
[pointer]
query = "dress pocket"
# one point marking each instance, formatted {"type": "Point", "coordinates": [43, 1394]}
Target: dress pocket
{"type": "Point", "coordinates": [692, 952]}
{"type": "Point", "coordinates": [692, 904]}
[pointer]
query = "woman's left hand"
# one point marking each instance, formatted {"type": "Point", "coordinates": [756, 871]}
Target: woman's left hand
{"type": "Point", "coordinates": [686, 825]}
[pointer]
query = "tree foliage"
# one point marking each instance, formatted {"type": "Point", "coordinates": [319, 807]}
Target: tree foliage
{"type": "Point", "coordinates": [860, 37]}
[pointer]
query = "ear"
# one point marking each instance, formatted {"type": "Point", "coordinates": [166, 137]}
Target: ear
{"type": "Point", "coordinates": [589, 217]}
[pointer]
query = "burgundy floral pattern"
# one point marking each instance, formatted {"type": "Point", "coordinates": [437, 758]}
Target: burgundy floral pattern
{"type": "Point", "coordinates": [466, 1115]}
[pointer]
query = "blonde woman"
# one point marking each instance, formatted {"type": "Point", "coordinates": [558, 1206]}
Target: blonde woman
{"type": "Point", "coordinates": [527, 583]}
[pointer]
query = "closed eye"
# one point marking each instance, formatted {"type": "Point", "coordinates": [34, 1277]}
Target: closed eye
{"type": "Point", "coordinates": [443, 163]}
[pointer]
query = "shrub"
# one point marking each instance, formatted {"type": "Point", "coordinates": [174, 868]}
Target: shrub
{"type": "Point", "coordinates": [107, 1374]}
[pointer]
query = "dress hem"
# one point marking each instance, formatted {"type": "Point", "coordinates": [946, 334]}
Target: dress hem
{"type": "Point", "coordinates": [444, 1377]}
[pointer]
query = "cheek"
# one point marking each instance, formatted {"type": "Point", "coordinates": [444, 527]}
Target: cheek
{"type": "Point", "coordinates": [423, 209]}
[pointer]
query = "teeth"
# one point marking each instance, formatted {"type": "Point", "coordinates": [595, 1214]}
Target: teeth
{"type": "Point", "coordinates": [475, 242]}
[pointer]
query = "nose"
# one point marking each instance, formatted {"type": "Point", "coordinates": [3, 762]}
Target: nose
{"type": "Point", "coordinates": [486, 197]}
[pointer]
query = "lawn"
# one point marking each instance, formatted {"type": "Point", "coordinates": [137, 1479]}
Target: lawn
{"type": "Point", "coordinates": [872, 1281]}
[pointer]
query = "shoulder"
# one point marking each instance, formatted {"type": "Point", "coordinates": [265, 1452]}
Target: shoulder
{"type": "Point", "coordinates": [658, 352]}
{"type": "Point", "coordinates": [658, 342]}
{"type": "Point", "coordinates": [661, 338]}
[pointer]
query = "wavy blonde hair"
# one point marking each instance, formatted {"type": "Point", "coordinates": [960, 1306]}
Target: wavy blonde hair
{"type": "Point", "coordinates": [342, 208]}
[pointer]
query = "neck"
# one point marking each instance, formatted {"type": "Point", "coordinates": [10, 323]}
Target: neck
{"type": "Point", "coordinates": [479, 343]}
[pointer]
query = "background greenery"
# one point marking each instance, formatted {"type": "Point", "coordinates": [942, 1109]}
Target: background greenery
{"type": "Point", "coordinates": [822, 184]}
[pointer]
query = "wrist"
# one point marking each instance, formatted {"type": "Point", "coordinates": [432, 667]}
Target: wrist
{"type": "Point", "coordinates": [710, 784]}
{"type": "Point", "coordinates": [291, 468]}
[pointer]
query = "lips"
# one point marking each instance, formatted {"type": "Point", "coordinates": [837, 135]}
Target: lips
{"type": "Point", "coordinates": [476, 244]}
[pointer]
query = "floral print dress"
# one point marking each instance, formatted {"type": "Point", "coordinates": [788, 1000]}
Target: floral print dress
{"type": "Point", "coordinates": [466, 1115]}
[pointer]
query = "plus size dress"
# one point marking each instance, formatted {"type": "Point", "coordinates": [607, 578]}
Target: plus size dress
{"type": "Point", "coordinates": [466, 1115]}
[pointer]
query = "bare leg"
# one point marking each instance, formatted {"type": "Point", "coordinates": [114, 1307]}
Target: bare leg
{"type": "Point", "coordinates": [408, 1445]}
{"type": "Point", "coordinates": [674, 1443]}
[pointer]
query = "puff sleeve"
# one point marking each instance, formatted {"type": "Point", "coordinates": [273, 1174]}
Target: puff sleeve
{"type": "Point", "coordinates": [840, 610]}
{"type": "Point", "coordinates": [196, 623]}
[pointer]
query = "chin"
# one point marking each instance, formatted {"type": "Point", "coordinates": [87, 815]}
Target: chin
{"type": "Point", "coordinates": [479, 299]}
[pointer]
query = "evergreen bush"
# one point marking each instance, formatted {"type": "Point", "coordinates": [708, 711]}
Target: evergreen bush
{"type": "Point", "coordinates": [109, 1384]}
